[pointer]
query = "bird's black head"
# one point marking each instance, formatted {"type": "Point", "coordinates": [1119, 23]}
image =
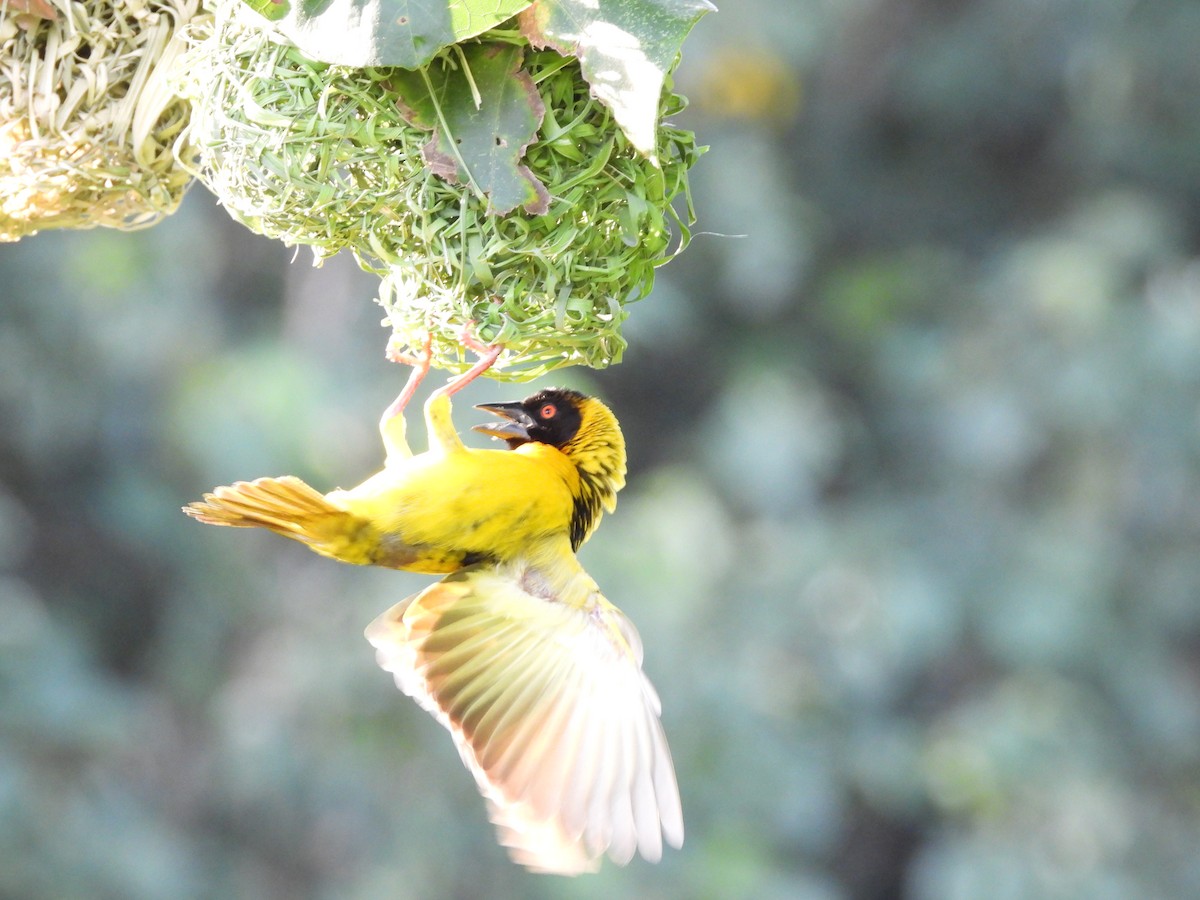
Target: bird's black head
{"type": "Point", "coordinates": [583, 429]}
{"type": "Point", "coordinates": [552, 416]}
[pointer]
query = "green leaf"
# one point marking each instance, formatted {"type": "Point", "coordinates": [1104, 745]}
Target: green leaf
{"type": "Point", "coordinates": [625, 49]}
{"type": "Point", "coordinates": [272, 9]}
{"type": "Point", "coordinates": [483, 113]}
{"type": "Point", "coordinates": [405, 33]}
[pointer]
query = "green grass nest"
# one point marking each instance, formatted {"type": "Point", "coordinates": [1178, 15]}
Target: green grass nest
{"type": "Point", "coordinates": [87, 120]}
{"type": "Point", "coordinates": [318, 155]}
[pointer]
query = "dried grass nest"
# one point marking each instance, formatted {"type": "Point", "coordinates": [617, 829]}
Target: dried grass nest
{"type": "Point", "coordinates": [88, 121]}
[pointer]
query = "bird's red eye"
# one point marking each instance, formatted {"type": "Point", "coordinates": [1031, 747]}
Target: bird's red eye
{"type": "Point", "coordinates": [549, 411]}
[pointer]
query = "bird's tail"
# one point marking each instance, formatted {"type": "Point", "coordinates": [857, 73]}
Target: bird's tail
{"type": "Point", "coordinates": [287, 506]}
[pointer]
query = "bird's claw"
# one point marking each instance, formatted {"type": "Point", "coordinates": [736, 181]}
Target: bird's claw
{"type": "Point", "coordinates": [419, 360]}
{"type": "Point", "coordinates": [487, 353]}
{"type": "Point", "coordinates": [467, 338]}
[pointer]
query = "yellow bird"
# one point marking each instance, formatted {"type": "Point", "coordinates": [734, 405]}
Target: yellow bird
{"type": "Point", "coordinates": [453, 505]}
{"type": "Point", "coordinates": [536, 675]}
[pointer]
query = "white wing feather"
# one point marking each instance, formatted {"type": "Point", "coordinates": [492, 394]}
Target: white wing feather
{"type": "Point", "coordinates": [548, 705]}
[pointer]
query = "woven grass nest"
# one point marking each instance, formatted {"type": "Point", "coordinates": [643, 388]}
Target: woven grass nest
{"type": "Point", "coordinates": [88, 122]}
{"type": "Point", "coordinates": [318, 155]}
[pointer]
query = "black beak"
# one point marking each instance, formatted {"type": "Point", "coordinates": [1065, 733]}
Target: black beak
{"type": "Point", "coordinates": [515, 427]}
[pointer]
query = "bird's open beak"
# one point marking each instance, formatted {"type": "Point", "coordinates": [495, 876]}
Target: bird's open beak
{"type": "Point", "coordinates": [515, 426]}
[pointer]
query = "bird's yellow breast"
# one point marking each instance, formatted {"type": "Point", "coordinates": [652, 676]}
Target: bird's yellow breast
{"type": "Point", "coordinates": [491, 503]}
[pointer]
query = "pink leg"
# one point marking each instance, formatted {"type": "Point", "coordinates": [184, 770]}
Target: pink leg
{"type": "Point", "coordinates": [420, 368]}
{"type": "Point", "coordinates": [487, 358]}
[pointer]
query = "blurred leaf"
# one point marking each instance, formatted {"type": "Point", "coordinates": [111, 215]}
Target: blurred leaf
{"type": "Point", "coordinates": [406, 33]}
{"type": "Point", "coordinates": [625, 49]}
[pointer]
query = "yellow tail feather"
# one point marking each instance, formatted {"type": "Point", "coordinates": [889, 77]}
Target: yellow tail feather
{"type": "Point", "coordinates": [287, 506]}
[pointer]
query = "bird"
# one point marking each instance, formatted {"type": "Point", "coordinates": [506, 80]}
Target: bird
{"type": "Point", "coordinates": [453, 505]}
{"type": "Point", "coordinates": [516, 651]}
{"type": "Point", "coordinates": [538, 678]}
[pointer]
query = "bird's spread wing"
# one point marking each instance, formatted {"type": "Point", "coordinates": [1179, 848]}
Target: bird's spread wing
{"type": "Point", "coordinates": [550, 710]}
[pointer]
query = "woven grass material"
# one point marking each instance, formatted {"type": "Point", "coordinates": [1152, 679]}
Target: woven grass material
{"type": "Point", "coordinates": [318, 155]}
{"type": "Point", "coordinates": [87, 118]}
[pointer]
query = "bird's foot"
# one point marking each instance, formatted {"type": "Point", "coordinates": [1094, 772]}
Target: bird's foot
{"type": "Point", "coordinates": [487, 353]}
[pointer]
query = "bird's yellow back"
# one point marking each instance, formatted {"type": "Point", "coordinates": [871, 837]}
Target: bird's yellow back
{"type": "Point", "coordinates": [451, 506]}
{"type": "Point", "coordinates": [485, 504]}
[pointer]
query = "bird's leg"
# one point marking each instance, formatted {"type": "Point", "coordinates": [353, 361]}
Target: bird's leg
{"type": "Point", "coordinates": [487, 353]}
{"type": "Point", "coordinates": [392, 427]}
{"type": "Point", "coordinates": [437, 408]}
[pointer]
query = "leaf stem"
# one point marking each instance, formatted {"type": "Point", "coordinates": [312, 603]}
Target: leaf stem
{"type": "Point", "coordinates": [462, 58]}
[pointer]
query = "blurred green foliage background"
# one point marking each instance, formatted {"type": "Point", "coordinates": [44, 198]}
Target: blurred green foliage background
{"type": "Point", "coordinates": [911, 532]}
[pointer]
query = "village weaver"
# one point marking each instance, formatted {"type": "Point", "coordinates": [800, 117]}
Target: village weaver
{"type": "Point", "coordinates": [535, 674]}
{"type": "Point", "coordinates": [453, 505]}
